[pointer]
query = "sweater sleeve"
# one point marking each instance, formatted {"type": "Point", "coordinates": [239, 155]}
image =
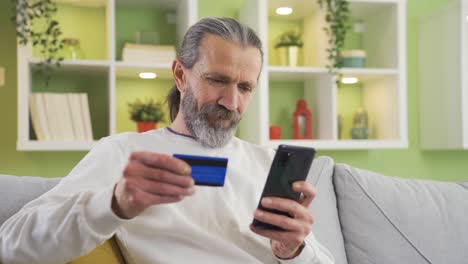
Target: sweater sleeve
{"type": "Point", "coordinates": [312, 253]}
{"type": "Point", "coordinates": [71, 219]}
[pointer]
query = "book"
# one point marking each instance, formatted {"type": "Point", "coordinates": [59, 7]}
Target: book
{"type": "Point", "coordinates": [64, 117]}
{"type": "Point", "coordinates": [76, 116]}
{"type": "Point", "coordinates": [43, 116]}
{"type": "Point", "coordinates": [86, 116]}
{"type": "Point", "coordinates": [36, 122]}
{"type": "Point", "coordinates": [58, 116]}
{"type": "Point", "coordinates": [148, 53]}
{"type": "Point", "coordinates": [52, 117]}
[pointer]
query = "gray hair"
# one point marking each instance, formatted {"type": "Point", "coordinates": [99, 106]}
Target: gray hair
{"type": "Point", "coordinates": [226, 28]}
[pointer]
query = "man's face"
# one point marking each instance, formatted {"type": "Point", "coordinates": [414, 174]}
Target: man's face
{"type": "Point", "coordinates": [218, 89]}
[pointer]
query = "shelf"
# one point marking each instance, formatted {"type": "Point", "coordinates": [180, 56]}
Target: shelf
{"type": "Point", "coordinates": [305, 73]}
{"type": "Point", "coordinates": [369, 71]}
{"type": "Point", "coordinates": [375, 1]}
{"type": "Point", "coordinates": [34, 145]}
{"type": "Point", "coordinates": [342, 144]}
{"type": "Point", "coordinates": [85, 3]}
{"type": "Point", "coordinates": [78, 66]}
{"type": "Point", "coordinates": [112, 83]}
{"type": "Point", "coordinates": [131, 69]}
{"type": "Point", "coordinates": [295, 73]}
{"type": "Point", "coordinates": [165, 4]}
{"type": "Point", "coordinates": [367, 75]}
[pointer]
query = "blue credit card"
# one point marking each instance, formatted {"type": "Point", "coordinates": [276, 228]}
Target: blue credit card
{"type": "Point", "coordinates": [207, 171]}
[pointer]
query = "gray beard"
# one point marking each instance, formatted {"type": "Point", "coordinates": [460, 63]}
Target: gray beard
{"type": "Point", "coordinates": [212, 135]}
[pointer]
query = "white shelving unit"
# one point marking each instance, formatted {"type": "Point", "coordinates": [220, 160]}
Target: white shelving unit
{"type": "Point", "coordinates": [382, 88]}
{"type": "Point", "coordinates": [109, 68]}
{"type": "Point", "coordinates": [443, 62]}
{"type": "Point", "coordinates": [382, 83]}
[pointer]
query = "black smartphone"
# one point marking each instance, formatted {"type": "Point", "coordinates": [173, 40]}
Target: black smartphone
{"type": "Point", "coordinates": [291, 164]}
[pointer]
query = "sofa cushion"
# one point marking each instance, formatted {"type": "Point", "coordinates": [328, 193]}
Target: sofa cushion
{"type": "Point", "coordinates": [393, 220]}
{"type": "Point", "coordinates": [326, 227]}
{"type": "Point", "coordinates": [108, 253]}
{"type": "Point", "coordinates": [16, 191]}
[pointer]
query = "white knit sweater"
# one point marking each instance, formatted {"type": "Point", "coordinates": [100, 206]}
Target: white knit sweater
{"type": "Point", "coordinates": [212, 226]}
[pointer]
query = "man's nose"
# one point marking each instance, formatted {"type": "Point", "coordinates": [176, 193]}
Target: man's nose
{"type": "Point", "coordinates": [229, 98]}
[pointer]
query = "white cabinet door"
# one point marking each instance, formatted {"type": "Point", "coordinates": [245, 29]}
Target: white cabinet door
{"type": "Point", "coordinates": [443, 79]}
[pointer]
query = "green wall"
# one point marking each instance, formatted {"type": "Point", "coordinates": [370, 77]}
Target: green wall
{"type": "Point", "coordinates": [411, 162]}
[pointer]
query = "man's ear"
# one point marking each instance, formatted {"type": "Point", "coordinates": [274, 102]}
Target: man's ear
{"type": "Point", "coordinates": [178, 71]}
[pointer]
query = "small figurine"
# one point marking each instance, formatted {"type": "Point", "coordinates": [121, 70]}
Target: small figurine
{"type": "Point", "coordinates": [340, 125]}
{"type": "Point", "coordinates": [360, 129]}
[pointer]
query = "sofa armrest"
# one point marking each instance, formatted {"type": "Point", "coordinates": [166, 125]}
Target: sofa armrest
{"type": "Point", "coordinates": [393, 220]}
{"type": "Point", "coordinates": [16, 191]}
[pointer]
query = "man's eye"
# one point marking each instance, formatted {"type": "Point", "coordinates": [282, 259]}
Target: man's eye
{"type": "Point", "coordinates": [245, 88]}
{"type": "Point", "coordinates": [215, 81]}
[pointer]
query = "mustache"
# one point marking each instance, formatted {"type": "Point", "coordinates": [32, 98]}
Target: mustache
{"type": "Point", "coordinates": [220, 112]}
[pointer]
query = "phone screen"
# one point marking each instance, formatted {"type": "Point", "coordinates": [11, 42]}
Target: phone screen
{"type": "Point", "coordinates": [291, 164]}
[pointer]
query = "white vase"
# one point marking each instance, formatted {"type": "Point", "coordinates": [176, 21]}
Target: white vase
{"type": "Point", "coordinates": [288, 56]}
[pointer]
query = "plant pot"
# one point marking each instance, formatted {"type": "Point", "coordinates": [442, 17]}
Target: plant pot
{"type": "Point", "coordinates": [146, 126]}
{"type": "Point", "coordinates": [288, 56]}
{"type": "Point", "coordinates": [353, 58]}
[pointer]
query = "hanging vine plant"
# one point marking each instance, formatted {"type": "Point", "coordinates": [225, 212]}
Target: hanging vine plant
{"type": "Point", "coordinates": [337, 15]}
{"type": "Point", "coordinates": [35, 24]}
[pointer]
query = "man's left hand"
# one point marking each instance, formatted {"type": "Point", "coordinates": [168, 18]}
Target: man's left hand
{"type": "Point", "coordinates": [287, 243]}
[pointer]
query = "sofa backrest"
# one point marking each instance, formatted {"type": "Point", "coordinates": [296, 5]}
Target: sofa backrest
{"type": "Point", "coordinates": [16, 191]}
{"type": "Point", "coordinates": [390, 220]}
{"type": "Point", "coordinates": [326, 227]}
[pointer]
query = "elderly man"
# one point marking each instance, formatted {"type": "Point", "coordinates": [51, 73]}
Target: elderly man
{"type": "Point", "coordinates": [130, 186]}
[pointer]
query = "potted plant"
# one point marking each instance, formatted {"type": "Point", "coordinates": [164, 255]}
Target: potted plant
{"type": "Point", "coordinates": [337, 15]}
{"type": "Point", "coordinates": [146, 113]}
{"type": "Point", "coordinates": [287, 46]}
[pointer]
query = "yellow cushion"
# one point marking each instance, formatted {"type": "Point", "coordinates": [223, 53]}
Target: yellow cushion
{"type": "Point", "coordinates": [108, 253]}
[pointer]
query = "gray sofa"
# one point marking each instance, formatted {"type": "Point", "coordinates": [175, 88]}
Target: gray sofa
{"type": "Point", "coordinates": [361, 216]}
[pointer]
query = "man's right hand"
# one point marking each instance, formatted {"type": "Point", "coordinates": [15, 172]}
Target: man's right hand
{"type": "Point", "coordinates": [149, 179]}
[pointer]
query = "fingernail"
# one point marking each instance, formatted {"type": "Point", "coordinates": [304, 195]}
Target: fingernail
{"type": "Point", "coordinates": [186, 170]}
{"type": "Point", "coordinates": [258, 213]}
{"type": "Point", "coordinates": [192, 182]}
{"type": "Point", "coordinates": [297, 185]}
{"type": "Point", "coordinates": [191, 191]}
{"type": "Point", "coordinates": [267, 200]}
